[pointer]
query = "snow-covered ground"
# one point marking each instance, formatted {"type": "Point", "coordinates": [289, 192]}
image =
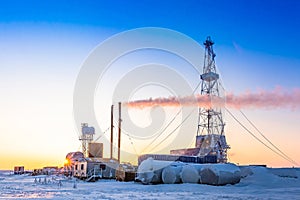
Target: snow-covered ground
{"type": "Point", "coordinates": [262, 184]}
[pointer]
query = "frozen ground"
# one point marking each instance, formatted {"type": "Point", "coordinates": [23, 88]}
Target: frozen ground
{"type": "Point", "coordinates": [261, 185]}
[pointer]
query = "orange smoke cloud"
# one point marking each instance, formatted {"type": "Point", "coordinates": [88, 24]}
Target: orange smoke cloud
{"type": "Point", "coordinates": [196, 100]}
{"type": "Point", "coordinates": [277, 98]}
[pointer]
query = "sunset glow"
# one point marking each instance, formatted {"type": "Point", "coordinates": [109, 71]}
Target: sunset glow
{"type": "Point", "coordinates": [44, 45]}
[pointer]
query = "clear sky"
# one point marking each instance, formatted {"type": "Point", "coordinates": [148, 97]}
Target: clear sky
{"type": "Point", "coordinates": [44, 43]}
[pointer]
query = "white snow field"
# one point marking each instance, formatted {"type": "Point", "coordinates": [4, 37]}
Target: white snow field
{"type": "Point", "coordinates": [262, 184]}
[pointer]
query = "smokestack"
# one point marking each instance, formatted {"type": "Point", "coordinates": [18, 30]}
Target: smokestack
{"type": "Point", "coordinates": [119, 133]}
{"type": "Point", "coordinates": [111, 131]}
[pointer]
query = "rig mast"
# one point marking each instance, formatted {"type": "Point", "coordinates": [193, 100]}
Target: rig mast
{"type": "Point", "coordinates": [210, 133]}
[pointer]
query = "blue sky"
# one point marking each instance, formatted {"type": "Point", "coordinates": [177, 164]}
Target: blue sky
{"type": "Point", "coordinates": [43, 44]}
{"type": "Point", "coordinates": [269, 26]}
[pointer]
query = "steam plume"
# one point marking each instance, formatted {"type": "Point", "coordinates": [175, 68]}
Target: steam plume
{"type": "Point", "coordinates": [276, 98]}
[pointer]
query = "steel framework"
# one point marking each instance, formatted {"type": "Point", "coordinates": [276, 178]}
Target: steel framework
{"type": "Point", "coordinates": [210, 133]}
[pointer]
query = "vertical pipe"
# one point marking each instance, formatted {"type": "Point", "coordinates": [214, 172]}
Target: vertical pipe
{"type": "Point", "coordinates": [119, 133]}
{"type": "Point", "coordinates": [111, 131]}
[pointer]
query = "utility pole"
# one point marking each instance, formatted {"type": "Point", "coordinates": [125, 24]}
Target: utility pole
{"type": "Point", "coordinates": [119, 133]}
{"type": "Point", "coordinates": [111, 131]}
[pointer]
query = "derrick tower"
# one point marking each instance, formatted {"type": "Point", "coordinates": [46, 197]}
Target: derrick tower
{"type": "Point", "coordinates": [210, 132]}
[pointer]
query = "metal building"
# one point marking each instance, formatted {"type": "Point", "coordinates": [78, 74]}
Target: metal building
{"type": "Point", "coordinates": [92, 169]}
{"type": "Point", "coordinates": [19, 170]}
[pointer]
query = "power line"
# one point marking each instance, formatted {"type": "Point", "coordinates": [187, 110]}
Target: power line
{"type": "Point", "coordinates": [102, 134]}
{"type": "Point", "coordinates": [170, 122]}
{"type": "Point", "coordinates": [257, 137]}
{"type": "Point", "coordinates": [130, 138]}
{"type": "Point", "coordinates": [173, 130]}
{"type": "Point", "coordinates": [287, 157]}
{"type": "Point", "coordinates": [131, 142]}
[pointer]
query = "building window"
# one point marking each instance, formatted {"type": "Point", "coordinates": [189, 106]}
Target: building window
{"type": "Point", "coordinates": [76, 167]}
{"type": "Point", "coordinates": [102, 166]}
{"type": "Point", "coordinates": [82, 166]}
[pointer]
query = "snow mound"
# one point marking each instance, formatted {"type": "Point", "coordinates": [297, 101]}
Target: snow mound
{"type": "Point", "coordinates": [245, 171]}
{"type": "Point", "coordinates": [284, 172]}
{"type": "Point", "coordinates": [272, 178]}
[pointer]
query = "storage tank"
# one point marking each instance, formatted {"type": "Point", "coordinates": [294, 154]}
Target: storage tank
{"type": "Point", "coordinates": [189, 174]}
{"type": "Point", "coordinates": [171, 174]}
{"type": "Point", "coordinates": [150, 170]}
{"type": "Point", "coordinates": [220, 174]}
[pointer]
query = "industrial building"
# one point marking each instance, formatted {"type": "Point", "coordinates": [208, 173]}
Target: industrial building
{"type": "Point", "coordinates": [19, 170]}
{"type": "Point", "coordinates": [92, 169]}
{"type": "Point", "coordinates": [89, 164]}
{"type": "Point", "coordinates": [70, 160]}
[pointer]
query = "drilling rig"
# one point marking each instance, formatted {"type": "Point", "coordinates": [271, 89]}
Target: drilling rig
{"type": "Point", "coordinates": [210, 137]}
{"type": "Point", "coordinates": [186, 165]}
